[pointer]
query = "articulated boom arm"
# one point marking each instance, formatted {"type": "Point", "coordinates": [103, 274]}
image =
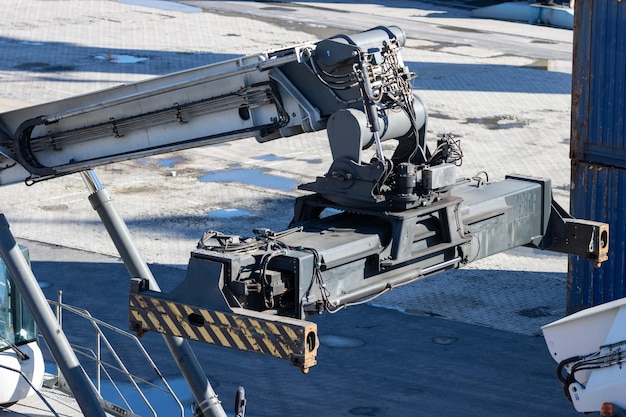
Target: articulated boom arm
{"type": "Point", "coordinates": [367, 227]}
{"type": "Point", "coordinates": [268, 95]}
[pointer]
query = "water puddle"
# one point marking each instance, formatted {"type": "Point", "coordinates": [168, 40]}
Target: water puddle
{"type": "Point", "coordinates": [44, 67]}
{"type": "Point", "coordinates": [544, 41]}
{"type": "Point", "coordinates": [535, 313]}
{"type": "Point", "coordinates": [319, 31]}
{"type": "Point", "coordinates": [439, 115]}
{"type": "Point", "coordinates": [270, 158]}
{"type": "Point", "coordinates": [228, 213]}
{"type": "Point", "coordinates": [312, 160]}
{"type": "Point", "coordinates": [340, 341]}
{"type": "Point", "coordinates": [496, 122]}
{"type": "Point", "coordinates": [364, 411]}
{"type": "Point", "coordinates": [459, 29]}
{"type": "Point", "coordinates": [163, 5]}
{"type": "Point", "coordinates": [168, 162]}
{"type": "Point", "coordinates": [121, 59]}
{"type": "Point", "coordinates": [164, 162]}
{"type": "Point", "coordinates": [252, 177]}
{"type": "Point", "coordinates": [444, 340]}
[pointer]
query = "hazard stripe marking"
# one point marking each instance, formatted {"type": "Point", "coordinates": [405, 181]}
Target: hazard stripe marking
{"type": "Point", "coordinates": [284, 339]}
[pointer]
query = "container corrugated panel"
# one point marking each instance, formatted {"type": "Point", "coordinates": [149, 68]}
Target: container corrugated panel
{"type": "Point", "coordinates": [598, 193]}
{"type": "Point", "coordinates": [598, 82]}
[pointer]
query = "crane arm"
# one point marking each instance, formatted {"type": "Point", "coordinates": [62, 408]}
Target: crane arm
{"type": "Point", "coordinates": [268, 95]}
{"type": "Point", "coordinates": [367, 227]}
{"type": "Point", "coordinates": [206, 105]}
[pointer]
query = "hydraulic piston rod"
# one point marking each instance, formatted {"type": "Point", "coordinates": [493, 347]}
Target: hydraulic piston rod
{"type": "Point", "coordinates": [187, 362]}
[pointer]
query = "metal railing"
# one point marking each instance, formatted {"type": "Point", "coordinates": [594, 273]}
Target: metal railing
{"type": "Point", "coordinates": [103, 369]}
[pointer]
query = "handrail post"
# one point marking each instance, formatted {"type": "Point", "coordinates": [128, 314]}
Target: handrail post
{"type": "Point", "coordinates": [59, 310]}
{"type": "Point", "coordinates": [98, 361]}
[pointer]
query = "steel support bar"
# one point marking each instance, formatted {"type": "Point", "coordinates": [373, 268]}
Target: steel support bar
{"type": "Point", "coordinates": [186, 360]}
{"type": "Point", "coordinates": [59, 346]}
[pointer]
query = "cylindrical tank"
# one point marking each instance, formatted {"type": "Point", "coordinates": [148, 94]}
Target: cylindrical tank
{"type": "Point", "coordinates": [348, 131]}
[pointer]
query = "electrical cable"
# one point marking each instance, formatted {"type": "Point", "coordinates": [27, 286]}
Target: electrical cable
{"type": "Point", "coordinates": [593, 361]}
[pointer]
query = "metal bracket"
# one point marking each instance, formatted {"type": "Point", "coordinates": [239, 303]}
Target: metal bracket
{"type": "Point", "coordinates": [566, 234]}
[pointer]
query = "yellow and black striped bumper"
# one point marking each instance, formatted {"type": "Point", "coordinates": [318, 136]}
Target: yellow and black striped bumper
{"type": "Point", "coordinates": [251, 331]}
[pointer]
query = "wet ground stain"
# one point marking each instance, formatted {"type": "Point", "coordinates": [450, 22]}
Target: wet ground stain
{"type": "Point", "coordinates": [55, 207]}
{"type": "Point", "coordinates": [535, 313]}
{"type": "Point", "coordinates": [439, 115]}
{"type": "Point", "coordinates": [460, 29]}
{"type": "Point", "coordinates": [336, 341]}
{"type": "Point", "coordinates": [496, 122]}
{"type": "Point", "coordinates": [43, 67]}
{"type": "Point", "coordinates": [270, 158]}
{"type": "Point", "coordinates": [444, 340]}
{"type": "Point", "coordinates": [255, 176]}
{"type": "Point", "coordinates": [544, 41]}
{"type": "Point", "coordinates": [321, 32]}
{"type": "Point", "coordinates": [168, 162]}
{"type": "Point", "coordinates": [228, 213]}
{"type": "Point", "coordinates": [364, 411]}
{"type": "Point", "coordinates": [311, 161]}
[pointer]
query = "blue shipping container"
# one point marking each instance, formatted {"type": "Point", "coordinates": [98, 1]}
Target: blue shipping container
{"type": "Point", "coordinates": [598, 146]}
{"type": "Point", "coordinates": [598, 193]}
{"type": "Point", "coordinates": [599, 83]}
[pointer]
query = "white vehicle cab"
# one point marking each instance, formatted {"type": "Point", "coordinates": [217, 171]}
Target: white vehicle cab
{"type": "Point", "coordinates": [21, 361]}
